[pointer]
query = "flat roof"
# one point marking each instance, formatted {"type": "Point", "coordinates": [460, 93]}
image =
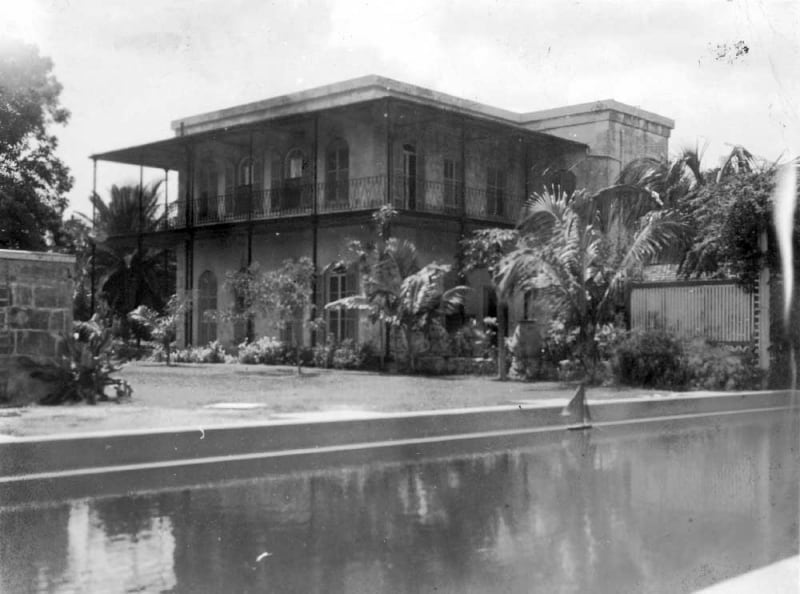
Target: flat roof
{"type": "Point", "coordinates": [171, 152]}
{"type": "Point", "coordinates": [595, 106]}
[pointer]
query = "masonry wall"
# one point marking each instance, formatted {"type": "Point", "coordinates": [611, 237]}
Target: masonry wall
{"type": "Point", "coordinates": [35, 311]}
{"type": "Point", "coordinates": [615, 138]}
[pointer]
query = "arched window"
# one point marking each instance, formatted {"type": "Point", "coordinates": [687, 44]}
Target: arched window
{"type": "Point", "coordinates": [206, 302]}
{"type": "Point", "coordinates": [293, 176]}
{"type": "Point", "coordinates": [275, 202]}
{"type": "Point", "coordinates": [295, 164]}
{"type": "Point", "coordinates": [226, 209]}
{"type": "Point", "coordinates": [248, 186]}
{"type": "Point", "coordinates": [342, 323]}
{"type": "Point", "coordinates": [207, 189]}
{"type": "Point", "coordinates": [409, 176]}
{"type": "Point", "coordinates": [337, 173]}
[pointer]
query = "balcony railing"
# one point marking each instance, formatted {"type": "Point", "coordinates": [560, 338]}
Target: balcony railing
{"type": "Point", "coordinates": [367, 193]}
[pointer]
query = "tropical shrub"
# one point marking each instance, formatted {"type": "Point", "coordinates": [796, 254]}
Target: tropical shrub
{"type": "Point", "coordinates": [717, 367]}
{"type": "Point", "coordinates": [265, 351]}
{"type": "Point", "coordinates": [351, 355]}
{"type": "Point", "coordinates": [653, 359]}
{"type": "Point", "coordinates": [161, 327]}
{"type": "Point", "coordinates": [468, 341]}
{"type": "Point", "coordinates": [322, 354]}
{"type": "Point", "coordinates": [83, 371]}
{"type": "Point", "coordinates": [213, 352]}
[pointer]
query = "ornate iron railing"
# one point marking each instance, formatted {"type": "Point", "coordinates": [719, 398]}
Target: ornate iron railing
{"type": "Point", "coordinates": [366, 193]}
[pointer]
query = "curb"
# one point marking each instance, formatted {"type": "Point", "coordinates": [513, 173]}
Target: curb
{"type": "Point", "coordinates": [37, 468]}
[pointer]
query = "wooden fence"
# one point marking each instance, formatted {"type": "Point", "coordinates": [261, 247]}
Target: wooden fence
{"type": "Point", "coordinates": [716, 310]}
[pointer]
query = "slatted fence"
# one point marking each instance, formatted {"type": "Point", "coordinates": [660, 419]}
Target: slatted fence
{"type": "Point", "coordinates": [715, 310]}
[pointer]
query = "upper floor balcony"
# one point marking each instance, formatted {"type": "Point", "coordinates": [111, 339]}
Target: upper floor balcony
{"type": "Point", "coordinates": [492, 205]}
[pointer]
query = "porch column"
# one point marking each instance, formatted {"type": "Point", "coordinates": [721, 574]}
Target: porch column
{"type": "Point", "coordinates": [94, 231]}
{"type": "Point", "coordinates": [188, 283]}
{"type": "Point", "coordinates": [463, 180]}
{"type": "Point", "coordinates": [314, 228]}
{"type": "Point", "coordinates": [250, 330]}
{"type": "Point", "coordinates": [166, 226]}
{"type": "Point", "coordinates": [389, 160]}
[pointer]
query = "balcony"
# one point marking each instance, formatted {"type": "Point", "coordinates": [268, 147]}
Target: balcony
{"type": "Point", "coordinates": [361, 194]}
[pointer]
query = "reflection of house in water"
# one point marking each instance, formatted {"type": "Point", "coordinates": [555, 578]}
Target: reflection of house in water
{"type": "Point", "coordinates": [299, 175]}
{"type": "Point", "coordinates": [616, 509]}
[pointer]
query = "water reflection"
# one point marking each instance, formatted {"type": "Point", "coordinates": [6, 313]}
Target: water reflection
{"type": "Point", "coordinates": [588, 512]}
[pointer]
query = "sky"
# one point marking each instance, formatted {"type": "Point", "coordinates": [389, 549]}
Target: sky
{"type": "Point", "coordinates": [725, 70]}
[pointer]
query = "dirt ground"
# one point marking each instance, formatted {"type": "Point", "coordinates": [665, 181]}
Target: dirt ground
{"type": "Point", "coordinates": [192, 395]}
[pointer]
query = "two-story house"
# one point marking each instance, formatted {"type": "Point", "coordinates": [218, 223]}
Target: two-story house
{"type": "Point", "coordinates": [301, 174]}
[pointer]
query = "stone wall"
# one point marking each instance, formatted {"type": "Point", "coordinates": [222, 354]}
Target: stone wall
{"type": "Point", "coordinates": [35, 311]}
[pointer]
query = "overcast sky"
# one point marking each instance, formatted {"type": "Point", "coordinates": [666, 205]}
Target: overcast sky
{"type": "Point", "coordinates": [130, 68]}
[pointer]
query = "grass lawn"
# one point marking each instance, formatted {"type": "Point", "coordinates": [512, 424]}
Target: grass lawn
{"type": "Point", "coordinates": [206, 394]}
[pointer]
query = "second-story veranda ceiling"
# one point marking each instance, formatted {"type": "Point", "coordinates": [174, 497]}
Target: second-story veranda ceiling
{"type": "Point", "coordinates": [235, 125]}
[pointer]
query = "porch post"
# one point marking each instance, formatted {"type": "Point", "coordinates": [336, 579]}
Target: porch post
{"type": "Point", "coordinates": [389, 157]}
{"type": "Point", "coordinates": [249, 330]}
{"type": "Point", "coordinates": [189, 250]}
{"type": "Point", "coordinates": [166, 199]}
{"type": "Point", "coordinates": [463, 180]}
{"type": "Point", "coordinates": [141, 198]}
{"type": "Point", "coordinates": [314, 228]}
{"type": "Point", "coordinates": [94, 230]}
{"type": "Point", "coordinates": [166, 226]}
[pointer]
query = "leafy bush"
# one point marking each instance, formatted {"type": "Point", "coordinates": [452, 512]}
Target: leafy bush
{"type": "Point", "coordinates": [570, 370]}
{"type": "Point", "coordinates": [652, 359]}
{"type": "Point", "coordinates": [213, 352]}
{"type": "Point", "coordinates": [323, 354]}
{"type": "Point", "coordinates": [83, 370]}
{"type": "Point", "coordinates": [265, 351]}
{"type": "Point", "coordinates": [717, 367]}
{"type": "Point", "coordinates": [351, 355]}
{"type": "Point", "coordinates": [270, 351]}
{"type": "Point", "coordinates": [469, 341]}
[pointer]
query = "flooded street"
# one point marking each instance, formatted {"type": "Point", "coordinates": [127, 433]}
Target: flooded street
{"type": "Point", "coordinates": [653, 507]}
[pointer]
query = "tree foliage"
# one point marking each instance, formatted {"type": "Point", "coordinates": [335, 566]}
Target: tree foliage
{"type": "Point", "coordinates": [129, 274]}
{"type": "Point", "coordinates": [485, 250]}
{"type": "Point", "coordinates": [395, 290]}
{"type": "Point", "coordinates": [567, 252]}
{"type": "Point", "coordinates": [730, 216]}
{"type": "Point", "coordinates": [284, 295]}
{"type": "Point", "coordinates": [33, 180]}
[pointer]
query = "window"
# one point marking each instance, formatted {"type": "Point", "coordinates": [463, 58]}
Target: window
{"type": "Point", "coordinates": [295, 164]}
{"type": "Point", "coordinates": [248, 181]}
{"type": "Point", "coordinates": [495, 191]}
{"type": "Point", "coordinates": [276, 183]}
{"type": "Point", "coordinates": [291, 333]}
{"type": "Point", "coordinates": [341, 322]}
{"type": "Point", "coordinates": [292, 193]}
{"type": "Point", "coordinates": [226, 208]}
{"type": "Point", "coordinates": [528, 304]}
{"type": "Point", "coordinates": [207, 189]}
{"type": "Point", "coordinates": [337, 173]}
{"type": "Point", "coordinates": [241, 328]}
{"type": "Point", "coordinates": [490, 310]}
{"type": "Point", "coordinates": [452, 184]}
{"type": "Point", "coordinates": [206, 302]}
{"type": "Point", "coordinates": [409, 176]}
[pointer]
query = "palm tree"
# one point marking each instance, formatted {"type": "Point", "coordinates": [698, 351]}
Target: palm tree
{"type": "Point", "coordinates": [130, 274]}
{"type": "Point", "coordinates": [567, 252]}
{"type": "Point", "coordinates": [395, 290]}
{"type": "Point", "coordinates": [485, 249]}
